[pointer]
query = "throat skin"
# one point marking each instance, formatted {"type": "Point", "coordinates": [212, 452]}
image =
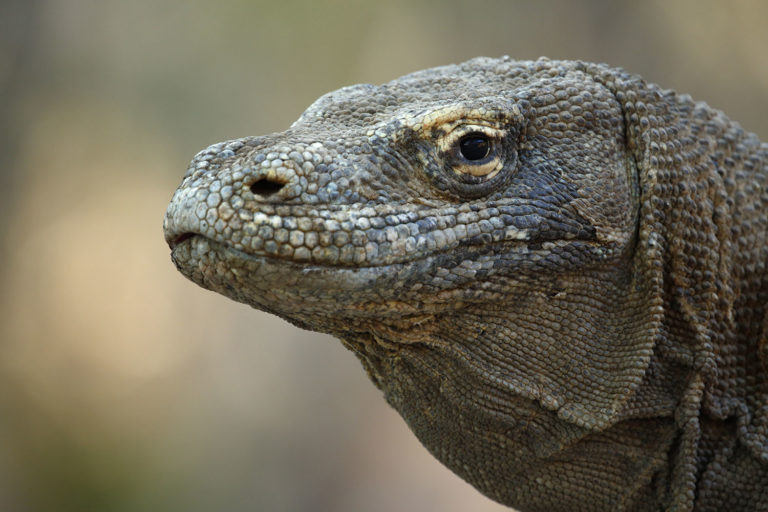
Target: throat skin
{"type": "Point", "coordinates": [473, 393]}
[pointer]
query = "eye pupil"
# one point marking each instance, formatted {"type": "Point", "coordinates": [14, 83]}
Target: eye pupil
{"type": "Point", "coordinates": [474, 146]}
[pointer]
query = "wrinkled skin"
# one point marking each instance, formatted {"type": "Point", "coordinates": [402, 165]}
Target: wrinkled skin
{"type": "Point", "coordinates": [555, 272]}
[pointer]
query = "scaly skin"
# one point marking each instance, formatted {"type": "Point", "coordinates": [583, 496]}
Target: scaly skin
{"type": "Point", "coordinates": [554, 271]}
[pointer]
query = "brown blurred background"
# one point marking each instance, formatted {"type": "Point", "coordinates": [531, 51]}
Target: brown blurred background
{"type": "Point", "coordinates": [124, 387]}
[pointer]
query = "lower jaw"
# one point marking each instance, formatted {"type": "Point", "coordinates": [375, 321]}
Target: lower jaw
{"type": "Point", "coordinates": [285, 287]}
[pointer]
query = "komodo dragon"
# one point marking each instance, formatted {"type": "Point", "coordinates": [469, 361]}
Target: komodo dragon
{"type": "Point", "coordinates": [554, 271]}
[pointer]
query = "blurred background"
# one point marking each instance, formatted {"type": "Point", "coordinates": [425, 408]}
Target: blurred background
{"type": "Point", "coordinates": [124, 387]}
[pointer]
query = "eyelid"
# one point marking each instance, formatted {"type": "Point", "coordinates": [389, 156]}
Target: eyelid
{"type": "Point", "coordinates": [450, 139]}
{"type": "Point", "coordinates": [485, 170]}
{"type": "Point", "coordinates": [445, 119]}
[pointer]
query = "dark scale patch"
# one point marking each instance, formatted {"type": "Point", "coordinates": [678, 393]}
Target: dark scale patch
{"type": "Point", "coordinates": [427, 225]}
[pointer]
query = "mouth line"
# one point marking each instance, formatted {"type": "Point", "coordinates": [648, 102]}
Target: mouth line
{"type": "Point", "coordinates": [179, 239]}
{"type": "Point", "coordinates": [311, 266]}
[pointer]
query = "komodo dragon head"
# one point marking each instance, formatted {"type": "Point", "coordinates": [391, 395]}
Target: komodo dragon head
{"type": "Point", "coordinates": [521, 254]}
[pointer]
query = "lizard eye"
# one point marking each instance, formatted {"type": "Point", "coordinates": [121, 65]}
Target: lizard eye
{"type": "Point", "coordinates": [469, 151]}
{"type": "Point", "coordinates": [475, 153]}
{"type": "Point", "coordinates": [474, 146]}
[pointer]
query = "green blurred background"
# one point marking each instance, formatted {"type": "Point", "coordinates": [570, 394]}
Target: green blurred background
{"type": "Point", "coordinates": [124, 387]}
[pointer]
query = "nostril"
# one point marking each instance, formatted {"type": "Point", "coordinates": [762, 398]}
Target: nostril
{"type": "Point", "coordinates": [266, 187]}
